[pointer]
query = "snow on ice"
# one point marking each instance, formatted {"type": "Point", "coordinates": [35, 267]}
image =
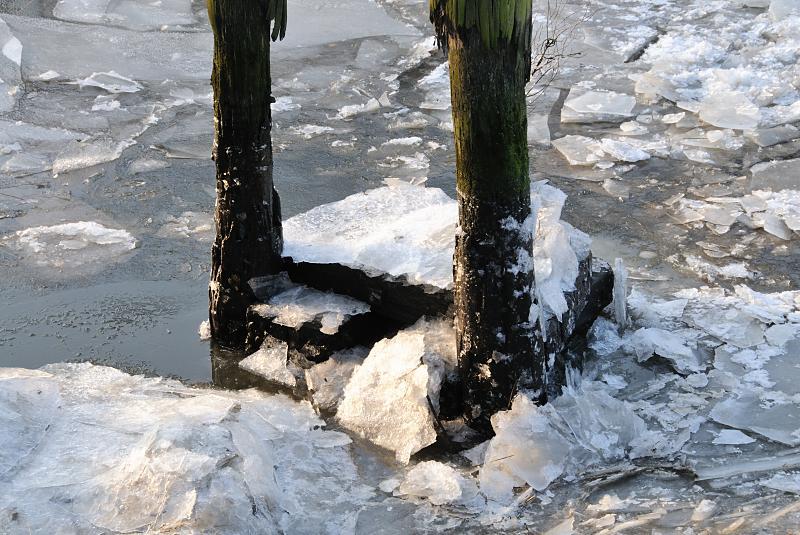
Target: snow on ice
{"type": "Point", "coordinates": [408, 230]}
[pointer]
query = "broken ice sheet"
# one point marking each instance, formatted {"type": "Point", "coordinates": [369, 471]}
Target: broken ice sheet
{"type": "Point", "coordinates": [127, 13]}
{"type": "Point", "coordinates": [535, 445]}
{"type": "Point", "coordinates": [776, 175]}
{"type": "Point", "coordinates": [271, 363]}
{"type": "Point", "coordinates": [10, 61]}
{"type": "Point", "coordinates": [580, 150]}
{"type": "Point", "coordinates": [785, 481]}
{"type": "Point", "coordinates": [129, 453]}
{"type": "Point", "coordinates": [388, 398]}
{"type": "Point", "coordinates": [592, 106]}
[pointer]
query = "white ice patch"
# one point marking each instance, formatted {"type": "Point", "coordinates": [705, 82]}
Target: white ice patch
{"type": "Point", "coordinates": [437, 482]}
{"type": "Point", "coordinates": [389, 397]}
{"type": "Point", "coordinates": [301, 304]}
{"type": "Point", "coordinates": [72, 244]}
{"type": "Point", "coordinates": [311, 130]}
{"type": "Point", "coordinates": [732, 437]}
{"type": "Point", "coordinates": [271, 363]}
{"type": "Point", "coordinates": [582, 150]}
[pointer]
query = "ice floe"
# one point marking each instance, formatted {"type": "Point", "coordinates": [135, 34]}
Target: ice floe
{"type": "Point", "coordinates": [70, 245]}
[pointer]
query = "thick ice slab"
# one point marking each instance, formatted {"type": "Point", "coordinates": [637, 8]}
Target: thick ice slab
{"type": "Point", "coordinates": [409, 231]}
{"type": "Point", "coordinates": [390, 398]}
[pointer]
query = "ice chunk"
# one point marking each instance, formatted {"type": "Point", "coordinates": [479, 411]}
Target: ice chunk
{"type": "Point", "coordinates": [648, 341]}
{"type": "Point", "coordinates": [437, 482]}
{"type": "Point", "coordinates": [353, 110]}
{"type": "Point", "coordinates": [732, 437]}
{"type": "Point", "coordinates": [730, 109]}
{"type": "Point", "coordinates": [535, 445]}
{"type": "Point", "coordinates": [389, 397]}
{"type": "Point", "coordinates": [72, 244]}
{"type": "Point", "coordinates": [580, 150]}
{"type": "Point", "coordinates": [204, 331]}
{"type": "Point", "coordinates": [28, 403]}
{"type": "Point", "coordinates": [48, 75]}
{"type": "Point", "coordinates": [404, 141]}
{"type": "Point", "coordinates": [311, 130]}
{"type": "Point", "coordinates": [79, 155]}
{"type": "Point", "coordinates": [327, 380]}
{"type": "Point", "coordinates": [623, 152]}
{"type": "Point", "coordinates": [557, 247]}
{"type": "Point", "coordinates": [591, 106]}
{"type": "Point", "coordinates": [767, 137]}
{"type": "Point", "coordinates": [538, 129]}
{"type": "Point", "coordinates": [111, 82]}
{"type": "Point", "coordinates": [400, 230]}
{"type": "Point", "coordinates": [270, 362]}
{"type": "Point", "coordinates": [525, 450]}
{"type": "Point", "coordinates": [301, 304]}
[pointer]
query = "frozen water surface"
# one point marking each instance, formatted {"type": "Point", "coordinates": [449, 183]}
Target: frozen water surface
{"type": "Point", "coordinates": [674, 135]}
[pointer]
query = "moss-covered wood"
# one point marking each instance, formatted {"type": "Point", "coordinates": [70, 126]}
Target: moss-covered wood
{"type": "Point", "coordinates": [248, 220]}
{"type": "Point", "coordinates": [499, 347]}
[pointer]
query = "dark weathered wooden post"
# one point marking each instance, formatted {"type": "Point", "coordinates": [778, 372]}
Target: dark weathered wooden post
{"type": "Point", "coordinates": [499, 348]}
{"type": "Point", "coordinates": [248, 219]}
